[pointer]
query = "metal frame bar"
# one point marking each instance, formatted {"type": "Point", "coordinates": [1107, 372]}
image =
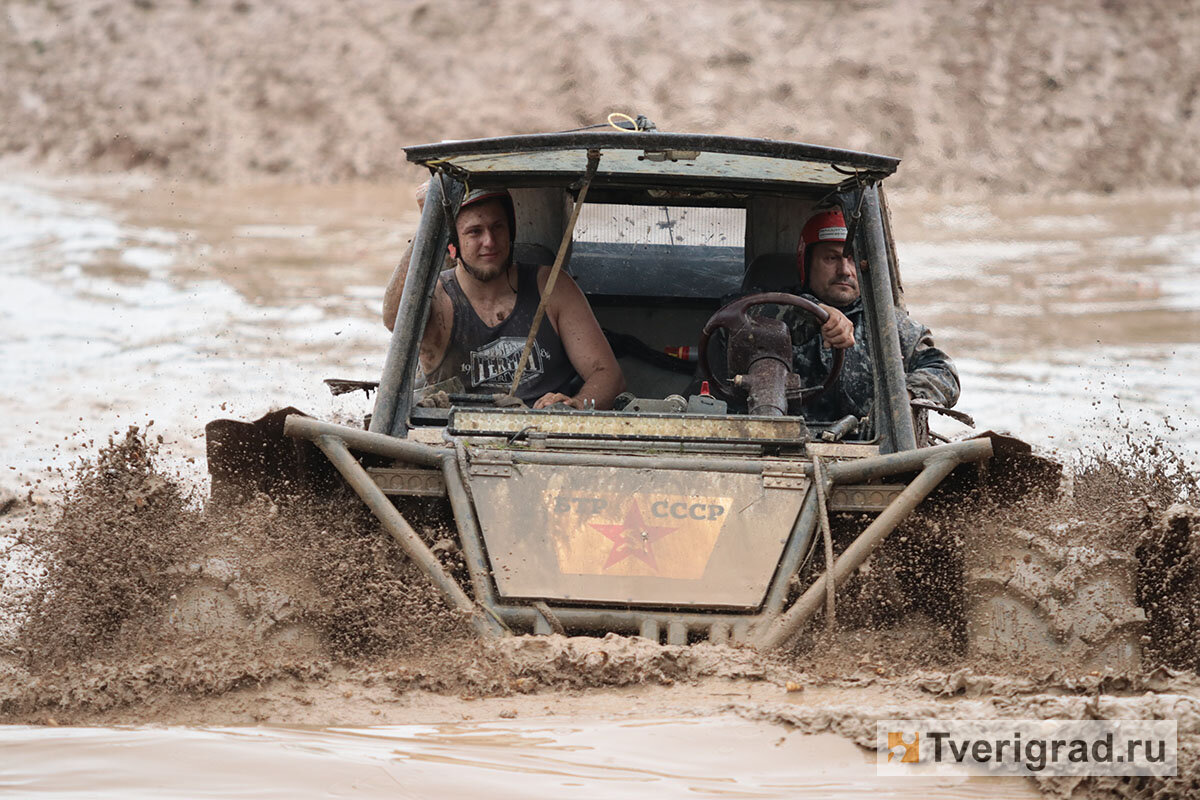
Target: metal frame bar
{"type": "Point", "coordinates": [472, 545]}
{"type": "Point", "coordinates": [793, 555]}
{"type": "Point", "coordinates": [393, 401]}
{"type": "Point", "coordinates": [784, 627]}
{"type": "Point", "coordinates": [892, 414]}
{"type": "Point", "coordinates": [889, 360]}
{"type": "Point", "coordinates": [850, 199]}
{"type": "Point", "coordinates": [652, 140]}
{"type": "Point", "coordinates": [395, 524]}
{"type": "Point", "coordinates": [769, 627]}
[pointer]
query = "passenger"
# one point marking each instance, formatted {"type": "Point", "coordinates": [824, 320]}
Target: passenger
{"type": "Point", "coordinates": [829, 278]}
{"type": "Point", "coordinates": [483, 308]}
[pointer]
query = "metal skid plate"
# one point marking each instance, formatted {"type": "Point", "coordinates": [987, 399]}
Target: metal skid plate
{"type": "Point", "coordinates": [409, 481]}
{"type": "Point", "coordinates": [634, 536]}
{"type": "Point", "coordinates": [867, 497]}
{"type": "Point", "coordinates": [618, 425]}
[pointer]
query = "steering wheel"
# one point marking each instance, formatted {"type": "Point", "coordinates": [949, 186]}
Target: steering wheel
{"type": "Point", "coordinates": [733, 316]}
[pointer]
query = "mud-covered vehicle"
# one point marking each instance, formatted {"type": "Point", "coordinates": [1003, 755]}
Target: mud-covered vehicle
{"type": "Point", "coordinates": [688, 511]}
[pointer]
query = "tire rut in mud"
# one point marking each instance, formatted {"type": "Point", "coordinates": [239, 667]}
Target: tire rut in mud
{"type": "Point", "coordinates": [1034, 603]}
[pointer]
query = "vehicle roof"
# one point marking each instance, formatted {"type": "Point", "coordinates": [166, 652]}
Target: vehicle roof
{"type": "Point", "coordinates": [649, 157]}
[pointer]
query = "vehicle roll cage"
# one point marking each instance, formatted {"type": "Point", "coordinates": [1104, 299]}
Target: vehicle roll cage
{"type": "Point", "coordinates": [856, 190]}
{"type": "Point", "coordinates": [460, 466]}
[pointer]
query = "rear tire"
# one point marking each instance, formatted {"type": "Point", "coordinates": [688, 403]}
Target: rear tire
{"type": "Point", "coordinates": [1169, 588]}
{"type": "Point", "coordinates": [1034, 604]}
{"type": "Point", "coordinates": [219, 602]}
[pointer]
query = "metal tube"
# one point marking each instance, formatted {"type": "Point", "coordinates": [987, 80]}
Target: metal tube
{"type": "Point", "coordinates": [388, 446]}
{"type": "Point", "coordinates": [889, 360]}
{"type": "Point", "coordinates": [620, 620]}
{"type": "Point", "coordinates": [395, 524]}
{"type": "Point", "coordinates": [827, 538]}
{"type": "Point", "coordinates": [849, 472]}
{"type": "Point", "coordinates": [843, 427]}
{"type": "Point", "coordinates": [766, 378]}
{"type": "Point", "coordinates": [639, 462]}
{"type": "Point", "coordinates": [910, 461]}
{"type": "Point", "coordinates": [842, 472]}
{"type": "Point", "coordinates": [394, 399]}
{"type": "Point", "coordinates": [468, 533]}
{"type": "Point", "coordinates": [803, 610]}
{"type": "Point", "coordinates": [852, 198]}
{"type": "Point", "coordinates": [797, 546]}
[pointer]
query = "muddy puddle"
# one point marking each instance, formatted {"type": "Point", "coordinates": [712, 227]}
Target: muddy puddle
{"type": "Point", "coordinates": [1073, 322]}
{"type": "Point", "coordinates": [719, 757]}
{"type": "Point", "coordinates": [1068, 319]}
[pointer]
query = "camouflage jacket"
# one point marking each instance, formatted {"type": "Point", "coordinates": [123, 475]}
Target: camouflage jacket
{"type": "Point", "coordinates": [929, 372]}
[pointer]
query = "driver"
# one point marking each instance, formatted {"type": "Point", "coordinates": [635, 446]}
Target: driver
{"type": "Point", "coordinates": [829, 278]}
{"type": "Point", "coordinates": [482, 310]}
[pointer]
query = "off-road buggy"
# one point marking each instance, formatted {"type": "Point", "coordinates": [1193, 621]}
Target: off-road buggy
{"type": "Point", "coordinates": [676, 516]}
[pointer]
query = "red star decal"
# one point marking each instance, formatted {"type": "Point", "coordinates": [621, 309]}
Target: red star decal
{"type": "Point", "coordinates": [632, 537]}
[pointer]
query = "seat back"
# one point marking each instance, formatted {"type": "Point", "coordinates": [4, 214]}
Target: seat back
{"type": "Point", "coordinates": [771, 272]}
{"type": "Point", "coordinates": [532, 253]}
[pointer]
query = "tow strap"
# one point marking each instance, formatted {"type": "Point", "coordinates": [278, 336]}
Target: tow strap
{"type": "Point", "coordinates": [592, 163]}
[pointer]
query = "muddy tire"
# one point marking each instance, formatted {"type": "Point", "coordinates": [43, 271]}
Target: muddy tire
{"type": "Point", "coordinates": [1032, 603]}
{"type": "Point", "coordinates": [1169, 586]}
{"type": "Point", "coordinates": [218, 601]}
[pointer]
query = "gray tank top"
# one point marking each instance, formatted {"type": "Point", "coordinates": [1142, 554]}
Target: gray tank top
{"type": "Point", "coordinates": [485, 358]}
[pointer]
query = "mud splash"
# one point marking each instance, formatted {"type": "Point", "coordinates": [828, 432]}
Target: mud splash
{"type": "Point", "coordinates": [130, 557]}
{"type": "Point", "coordinates": [156, 608]}
{"type": "Point", "coordinates": [134, 566]}
{"type": "Point", "coordinates": [110, 555]}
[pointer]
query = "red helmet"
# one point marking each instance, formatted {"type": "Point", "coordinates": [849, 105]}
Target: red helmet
{"type": "Point", "coordinates": [824, 226]}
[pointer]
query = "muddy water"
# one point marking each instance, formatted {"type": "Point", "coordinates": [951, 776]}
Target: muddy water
{"type": "Point", "coordinates": [124, 303]}
{"type": "Point", "coordinates": [1068, 319]}
{"type": "Point", "coordinates": [127, 302]}
{"type": "Point", "coordinates": [711, 757]}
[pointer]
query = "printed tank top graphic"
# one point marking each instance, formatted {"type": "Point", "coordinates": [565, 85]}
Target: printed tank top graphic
{"type": "Point", "coordinates": [494, 365]}
{"type": "Point", "coordinates": [485, 357]}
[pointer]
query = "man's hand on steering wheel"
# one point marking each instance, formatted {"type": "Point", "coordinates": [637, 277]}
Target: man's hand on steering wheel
{"type": "Point", "coordinates": [838, 330]}
{"type": "Point", "coordinates": [754, 342]}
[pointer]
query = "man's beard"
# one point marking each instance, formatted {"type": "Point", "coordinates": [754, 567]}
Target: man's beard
{"type": "Point", "coordinates": [482, 275]}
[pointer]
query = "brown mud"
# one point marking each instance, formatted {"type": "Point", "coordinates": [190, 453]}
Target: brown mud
{"type": "Point", "coordinates": [1008, 95]}
{"type": "Point", "coordinates": [155, 608]}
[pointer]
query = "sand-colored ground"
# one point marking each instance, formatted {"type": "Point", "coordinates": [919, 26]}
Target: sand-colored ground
{"type": "Point", "coordinates": [997, 95]}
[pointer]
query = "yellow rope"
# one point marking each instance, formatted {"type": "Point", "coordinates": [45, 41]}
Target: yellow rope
{"type": "Point", "coordinates": [619, 115]}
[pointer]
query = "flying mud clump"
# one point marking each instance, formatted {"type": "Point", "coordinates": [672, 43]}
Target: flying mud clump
{"type": "Point", "coordinates": [1094, 576]}
{"type": "Point", "coordinates": [109, 555]}
{"type": "Point", "coordinates": [148, 595]}
{"type": "Point", "coordinates": [135, 569]}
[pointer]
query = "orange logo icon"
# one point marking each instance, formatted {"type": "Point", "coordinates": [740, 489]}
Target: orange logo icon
{"type": "Point", "coordinates": [912, 750]}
